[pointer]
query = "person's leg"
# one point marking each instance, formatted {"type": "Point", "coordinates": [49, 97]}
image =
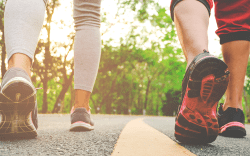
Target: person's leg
{"type": "Point", "coordinates": [87, 54]}
{"type": "Point", "coordinates": [191, 25]}
{"type": "Point", "coordinates": [23, 21]}
{"type": "Point", "coordinates": [236, 54]}
{"type": "Point", "coordinates": [206, 77]}
{"type": "Point", "coordinates": [87, 49]}
{"type": "Point", "coordinates": [233, 20]}
{"type": "Point", "coordinates": [82, 99]}
{"type": "Point", "coordinates": [21, 61]}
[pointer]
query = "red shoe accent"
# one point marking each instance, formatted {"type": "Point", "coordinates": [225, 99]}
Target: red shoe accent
{"type": "Point", "coordinates": [231, 124]}
{"type": "Point", "coordinates": [81, 122]}
{"type": "Point", "coordinates": [197, 116]}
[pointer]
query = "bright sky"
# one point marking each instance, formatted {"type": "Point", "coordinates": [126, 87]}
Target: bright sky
{"type": "Point", "coordinates": [214, 41]}
{"type": "Point", "coordinates": [59, 32]}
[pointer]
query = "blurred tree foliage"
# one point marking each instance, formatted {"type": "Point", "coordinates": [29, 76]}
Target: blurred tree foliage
{"type": "Point", "coordinates": [246, 94]}
{"type": "Point", "coordinates": [141, 72]}
{"type": "Point", "coordinates": [133, 77]}
{"type": "Point", "coordinates": [135, 74]}
{"type": "Point", "coordinates": [2, 44]}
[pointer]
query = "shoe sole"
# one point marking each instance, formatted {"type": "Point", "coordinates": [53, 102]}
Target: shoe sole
{"type": "Point", "coordinates": [18, 98]}
{"type": "Point", "coordinates": [81, 126]}
{"type": "Point", "coordinates": [233, 129]}
{"type": "Point", "coordinates": [197, 122]}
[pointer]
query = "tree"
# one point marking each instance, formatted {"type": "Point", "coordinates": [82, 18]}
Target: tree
{"type": "Point", "coordinates": [45, 69]}
{"type": "Point", "coordinates": [2, 43]}
{"type": "Point", "coordinates": [67, 78]}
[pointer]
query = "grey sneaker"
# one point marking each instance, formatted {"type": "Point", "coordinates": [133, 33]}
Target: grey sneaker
{"type": "Point", "coordinates": [80, 120]}
{"type": "Point", "coordinates": [17, 105]}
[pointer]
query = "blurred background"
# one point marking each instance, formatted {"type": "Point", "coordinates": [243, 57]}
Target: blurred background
{"type": "Point", "coordinates": [142, 64]}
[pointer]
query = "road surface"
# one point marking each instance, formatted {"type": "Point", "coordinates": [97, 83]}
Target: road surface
{"type": "Point", "coordinates": [117, 135]}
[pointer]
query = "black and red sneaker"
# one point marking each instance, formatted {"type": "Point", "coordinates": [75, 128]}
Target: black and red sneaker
{"type": "Point", "coordinates": [231, 122]}
{"type": "Point", "coordinates": [204, 83]}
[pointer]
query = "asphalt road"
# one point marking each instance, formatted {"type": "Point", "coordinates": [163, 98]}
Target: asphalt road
{"type": "Point", "coordinates": [54, 138]}
{"type": "Point", "coordinates": [222, 146]}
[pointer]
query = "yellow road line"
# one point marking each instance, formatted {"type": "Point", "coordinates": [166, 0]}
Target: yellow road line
{"type": "Point", "coordinates": [139, 139]}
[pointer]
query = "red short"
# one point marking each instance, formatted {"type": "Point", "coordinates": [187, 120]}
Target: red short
{"type": "Point", "coordinates": [232, 16]}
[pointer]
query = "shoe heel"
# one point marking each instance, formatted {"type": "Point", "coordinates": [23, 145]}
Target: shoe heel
{"type": "Point", "coordinates": [195, 128]}
{"type": "Point", "coordinates": [16, 121]}
{"type": "Point", "coordinates": [191, 126]}
{"type": "Point", "coordinates": [19, 98]}
{"type": "Point", "coordinates": [18, 89]}
{"type": "Point", "coordinates": [17, 125]}
{"type": "Point", "coordinates": [212, 127]}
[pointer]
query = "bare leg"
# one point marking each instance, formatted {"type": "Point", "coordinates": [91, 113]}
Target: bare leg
{"type": "Point", "coordinates": [236, 55]}
{"type": "Point", "coordinates": [192, 25]}
{"type": "Point", "coordinates": [82, 99]}
{"type": "Point", "coordinates": [20, 60]}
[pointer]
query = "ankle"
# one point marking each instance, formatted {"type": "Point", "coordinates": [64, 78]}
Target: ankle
{"type": "Point", "coordinates": [82, 99]}
{"type": "Point", "coordinates": [21, 61]}
{"type": "Point", "coordinates": [86, 106]}
{"type": "Point", "coordinates": [233, 105]}
{"type": "Point", "coordinates": [191, 56]}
